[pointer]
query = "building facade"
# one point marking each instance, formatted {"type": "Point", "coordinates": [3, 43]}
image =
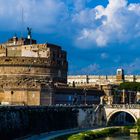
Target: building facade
{"type": "Point", "coordinates": [77, 96]}
{"type": "Point", "coordinates": [109, 84]}
{"type": "Point", "coordinates": [94, 80]}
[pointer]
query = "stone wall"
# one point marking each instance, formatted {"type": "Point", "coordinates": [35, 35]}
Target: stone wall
{"type": "Point", "coordinates": [21, 79]}
{"type": "Point", "coordinates": [33, 67]}
{"type": "Point", "coordinates": [20, 97]}
{"type": "Point", "coordinates": [21, 121]}
{"type": "Point", "coordinates": [90, 117]}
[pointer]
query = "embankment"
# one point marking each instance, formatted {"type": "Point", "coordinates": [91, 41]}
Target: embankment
{"type": "Point", "coordinates": [21, 121]}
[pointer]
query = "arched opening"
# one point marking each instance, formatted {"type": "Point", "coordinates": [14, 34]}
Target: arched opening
{"type": "Point", "coordinates": [121, 118]}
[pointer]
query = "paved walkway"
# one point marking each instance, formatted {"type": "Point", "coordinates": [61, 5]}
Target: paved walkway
{"type": "Point", "coordinates": [50, 135]}
{"type": "Point", "coordinates": [54, 134]}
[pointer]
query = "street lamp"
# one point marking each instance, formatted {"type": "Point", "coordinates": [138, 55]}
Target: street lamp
{"type": "Point", "coordinates": [114, 98]}
{"type": "Point", "coordinates": [85, 96]}
{"type": "Point", "coordinates": [50, 85]}
{"type": "Point", "coordinates": [129, 93]}
{"type": "Point", "coordinates": [123, 101]}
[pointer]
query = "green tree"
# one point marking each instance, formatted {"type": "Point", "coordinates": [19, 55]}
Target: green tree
{"type": "Point", "coordinates": [132, 86]}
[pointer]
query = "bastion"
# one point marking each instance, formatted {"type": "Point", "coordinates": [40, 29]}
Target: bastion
{"type": "Point", "coordinates": [28, 69]}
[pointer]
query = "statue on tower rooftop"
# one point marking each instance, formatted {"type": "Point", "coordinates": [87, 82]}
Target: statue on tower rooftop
{"type": "Point", "coordinates": [29, 32]}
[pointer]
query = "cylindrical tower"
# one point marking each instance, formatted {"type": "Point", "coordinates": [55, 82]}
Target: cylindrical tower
{"type": "Point", "coordinates": [27, 71]}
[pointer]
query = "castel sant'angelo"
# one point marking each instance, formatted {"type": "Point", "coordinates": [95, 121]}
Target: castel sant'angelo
{"type": "Point", "coordinates": [36, 74]}
{"type": "Point", "coordinates": [28, 69]}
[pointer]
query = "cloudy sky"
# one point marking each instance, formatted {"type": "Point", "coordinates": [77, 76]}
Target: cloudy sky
{"type": "Point", "coordinates": [98, 35]}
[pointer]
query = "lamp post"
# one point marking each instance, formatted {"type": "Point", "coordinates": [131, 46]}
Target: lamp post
{"type": "Point", "coordinates": [115, 96]}
{"type": "Point", "coordinates": [50, 93]}
{"type": "Point", "coordinates": [123, 101]}
{"type": "Point", "coordinates": [50, 97]}
{"type": "Point", "coordinates": [129, 97]}
{"type": "Point", "coordinates": [85, 96]}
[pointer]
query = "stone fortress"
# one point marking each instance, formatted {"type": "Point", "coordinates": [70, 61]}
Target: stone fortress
{"type": "Point", "coordinates": [36, 74]}
{"type": "Point", "coordinates": [28, 69]}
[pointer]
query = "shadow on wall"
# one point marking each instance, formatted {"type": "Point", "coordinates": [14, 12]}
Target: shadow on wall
{"type": "Point", "coordinates": [20, 121]}
{"type": "Point", "coordinates": [92, 117]}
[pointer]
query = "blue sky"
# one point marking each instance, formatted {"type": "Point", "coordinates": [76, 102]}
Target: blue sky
{"type": "Point", "coordinates": [98, 35]}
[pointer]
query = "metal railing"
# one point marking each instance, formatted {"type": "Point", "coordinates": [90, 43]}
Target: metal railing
{"type": "Point", "coordinates": [123, 106]}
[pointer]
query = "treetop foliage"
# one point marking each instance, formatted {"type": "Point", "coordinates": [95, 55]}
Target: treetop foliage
{"type": "Point", "coordinates": [132, 86]}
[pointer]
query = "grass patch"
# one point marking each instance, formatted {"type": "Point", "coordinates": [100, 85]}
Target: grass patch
{"type": "Point", "coordinates": [90, 135]}
{"type": "Point", "coordinates": [65, 137]}
{"type": "Point", "coordinates": [136, 126]}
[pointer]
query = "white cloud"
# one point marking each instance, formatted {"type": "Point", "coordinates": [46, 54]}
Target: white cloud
{"type": "Point", "coordinates": [98, 26]}
{"type": "Point", "coordinates": [135, 8]}
{"type": "Point", "coordinates": [104, 55]}
{"type": "Point", "coordinates": [133, 67]}
{"type": "Point", "coordinates": [90, 69]}
{"type": "Point", "coordinates": [42, 15]}
{"type": "Point", "coordinates": [85, 17]}
{"type": "Point", "coordinates": [79, 4]}
{"type": "Point", "coordinates": [118, 22]}
{"type": "Point", "coordinates": [117, 59]}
